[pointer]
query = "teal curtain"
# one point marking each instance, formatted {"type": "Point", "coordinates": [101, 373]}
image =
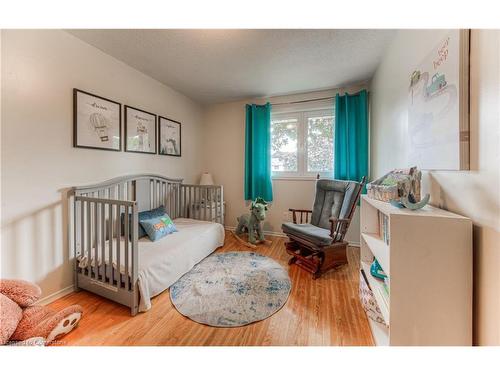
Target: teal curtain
{"type": "Point", "coordinates": [351, 136]}
{"type": "Point", "coordinates": [258, 152]}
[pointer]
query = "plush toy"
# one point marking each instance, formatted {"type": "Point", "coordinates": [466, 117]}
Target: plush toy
{"type": "Point", "coordinates": [27, 324]}
{"type": "Point", "coordinates": [252, 223]}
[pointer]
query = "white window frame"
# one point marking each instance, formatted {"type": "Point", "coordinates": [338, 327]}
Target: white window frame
{"type": "Point", "coordinates": [301, 116]}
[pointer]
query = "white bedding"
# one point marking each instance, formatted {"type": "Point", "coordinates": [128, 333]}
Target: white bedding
{"type": "Point", "coordinates": [163, 262]}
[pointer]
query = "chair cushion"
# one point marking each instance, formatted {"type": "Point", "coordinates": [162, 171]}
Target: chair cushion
{"type": "Point", "coordinates": [333, 198]}
{"type": "Point", "coordinates": [316, 235]}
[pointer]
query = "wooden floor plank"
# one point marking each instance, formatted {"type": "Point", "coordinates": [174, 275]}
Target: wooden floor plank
{"type": "Point", "coordinates": [325, 311]}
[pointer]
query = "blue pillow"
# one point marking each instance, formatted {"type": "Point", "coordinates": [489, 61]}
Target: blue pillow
{"type": "Point", "coordinates": [143, 215]}
{"type": "Point", "coordinates": [158, 227]}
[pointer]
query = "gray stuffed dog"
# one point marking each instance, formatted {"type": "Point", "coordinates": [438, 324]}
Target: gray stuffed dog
{"type": "Point", "coordinates": [252, 222]}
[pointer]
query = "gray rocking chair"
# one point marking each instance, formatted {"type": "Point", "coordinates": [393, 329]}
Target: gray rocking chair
{"type": "Point", "coordinates": [318, 246]}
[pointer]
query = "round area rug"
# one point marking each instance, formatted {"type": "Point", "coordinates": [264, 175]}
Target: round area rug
{"type": "Point", "coordinates": [231, 289]}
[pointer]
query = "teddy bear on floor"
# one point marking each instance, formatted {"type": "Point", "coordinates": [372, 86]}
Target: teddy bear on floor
{"type": "Point", "coordinates": [23, 322]}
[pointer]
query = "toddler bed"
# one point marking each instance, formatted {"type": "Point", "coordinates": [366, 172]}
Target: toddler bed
{"type": "Point", "coordinates": [110, 259]}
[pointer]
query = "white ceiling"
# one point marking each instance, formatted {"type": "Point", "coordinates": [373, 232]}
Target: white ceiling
{"type": "Point", "coordinates": [212, 66]}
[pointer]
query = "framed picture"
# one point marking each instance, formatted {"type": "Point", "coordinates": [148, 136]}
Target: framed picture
{"type": "Point", "coordinates": [438, 105]}
{"type": "Point", "coordinates": [140, 131]}
{"type": "Point", "coordinates": [96, 122]}
{"type": "Point", "coordinates": [169, 139]}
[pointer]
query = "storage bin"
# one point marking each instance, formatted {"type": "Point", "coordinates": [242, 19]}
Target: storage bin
{"type": "Point", "coordinates": [406, 181]}
{"type": "Point", "coordinates": [368, 300]}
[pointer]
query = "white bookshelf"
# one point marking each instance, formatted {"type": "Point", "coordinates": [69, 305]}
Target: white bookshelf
{"type": "Point", "coordinates": [429, 262]}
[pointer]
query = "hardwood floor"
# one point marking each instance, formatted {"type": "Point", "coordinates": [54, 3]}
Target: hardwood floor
{"type": "Point", "coordinates": [325, 311]}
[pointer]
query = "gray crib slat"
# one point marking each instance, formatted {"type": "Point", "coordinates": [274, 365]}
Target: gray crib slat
{"type": "Point", "coordinates": [212, 204]}
{"type": "Point", "coordinates": [166, 195]}
{"type": "Point", "coordinates": [178, 200]}
{"type": "Point", "coordinates": [126, 252]}
{"type": "Point", "coordinates": [75, 241]}
{"type": "Point", "coordinates": [221, 202]}
{"type": "Point", "coordinates": [197, 201]}
{"type": "Point", "coordinates": [190, 200]}
{"type": "Point", "coordinates": [204, 201]}
{"type": "Point", "coordinates": [192, 204]}
{"type": "Point", "coordinates": [135, 264]}
{"type": "Point", "coordinates": [118, 237]}
{"type": "Point", "coordinates": [184, 201]}
{"type": "Point", "coordinates": [157, 193]}
{"type": "Point", "coordinates": [167, 198]}
{"type": "Point", "coordinates": [96, 242]}
{"type": "Point", "coordinates": [75, 231]}
{"type": "Point", "coordinates": [218, 206]}
{"type": "Point", "coordinates": [103, 243]}
{"type": "Point", "coordinates": [110, 244]}
{"type": "Point", "coordinates": [173, 200]}
{"type": "Point", "coordinates": [89, 241]}
{"type": "Point", "coordinates": [153, 190]}
{"type": "Point", "coordinates": [82, 229]}
{"type": "Point", "coordinates": [162, 195]}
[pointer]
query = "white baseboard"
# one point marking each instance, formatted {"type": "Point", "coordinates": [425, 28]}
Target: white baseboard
{"type": "Point", "coordinates": [266, 232]}
{"type": "Point", "coordinates": [55, 296]}
{"type": "Point", "coordinates": [281, 234]}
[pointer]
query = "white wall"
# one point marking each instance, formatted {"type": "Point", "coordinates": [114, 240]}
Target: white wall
{"type": "Point", "coordinates": [474, 193]}
{"type": "Point", "coordinates": [39, 71]}
{"type": "Point", "coordinates": [224, 157]}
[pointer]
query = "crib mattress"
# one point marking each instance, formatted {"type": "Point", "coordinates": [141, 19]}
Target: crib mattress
{"type": "Point", "coordinates": [163, 262]}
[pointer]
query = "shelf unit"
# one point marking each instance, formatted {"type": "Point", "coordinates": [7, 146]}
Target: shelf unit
{"type": "Point", "coordinates": [429, 263]}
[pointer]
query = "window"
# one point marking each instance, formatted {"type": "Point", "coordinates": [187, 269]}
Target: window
{"type": "Point", "coordinates": [302, 143]}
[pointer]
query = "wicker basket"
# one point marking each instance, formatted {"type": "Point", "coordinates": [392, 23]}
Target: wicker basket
{"type": "Point", "coordinates": [368, 301]}
{"type": "Point", "coordinates": [409, 181]}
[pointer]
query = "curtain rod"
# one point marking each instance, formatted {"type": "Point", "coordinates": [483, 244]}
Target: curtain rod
{"type": "Point", "coordinates": [305, 101]}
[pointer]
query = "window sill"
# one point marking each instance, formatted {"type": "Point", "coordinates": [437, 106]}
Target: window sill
{"type": "Point", "coordinates": [294, 178]}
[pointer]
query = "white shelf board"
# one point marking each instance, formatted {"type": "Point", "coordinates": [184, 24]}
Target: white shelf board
{"type": "Point", "coordinates": [380, 333]}
{"type": "Point", "coordinates": [428, 210]}
{"type": "Point", "coordinates": [379, 292]}
{"type": "Point", "coordinates": [379, 249]}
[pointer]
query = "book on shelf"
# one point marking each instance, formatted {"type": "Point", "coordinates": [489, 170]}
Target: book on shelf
{"type": "Point", "coordinates": [383, 221]}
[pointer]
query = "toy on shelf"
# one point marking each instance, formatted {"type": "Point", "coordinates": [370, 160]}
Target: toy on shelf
{"type": "Point", "coordinates": [252, 224]}
{"type": "Point", "coordinates": [400, 187]}
{"type": "Point", "coordinates": [409, 202]}
{"type": "Point", "coordinates": [24, 323]}
{"type": "Point", "coordinates": [377, 271]}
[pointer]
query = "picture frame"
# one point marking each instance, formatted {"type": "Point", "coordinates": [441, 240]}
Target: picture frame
{"type": "Point", "coordinates": [97, 122]}
{"type": "Point", "coordinates": [169, 137]}
{"type": "Point", "coordinates": [140, 131]}
{"type": "Point", "coordinates": [438, 105]}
